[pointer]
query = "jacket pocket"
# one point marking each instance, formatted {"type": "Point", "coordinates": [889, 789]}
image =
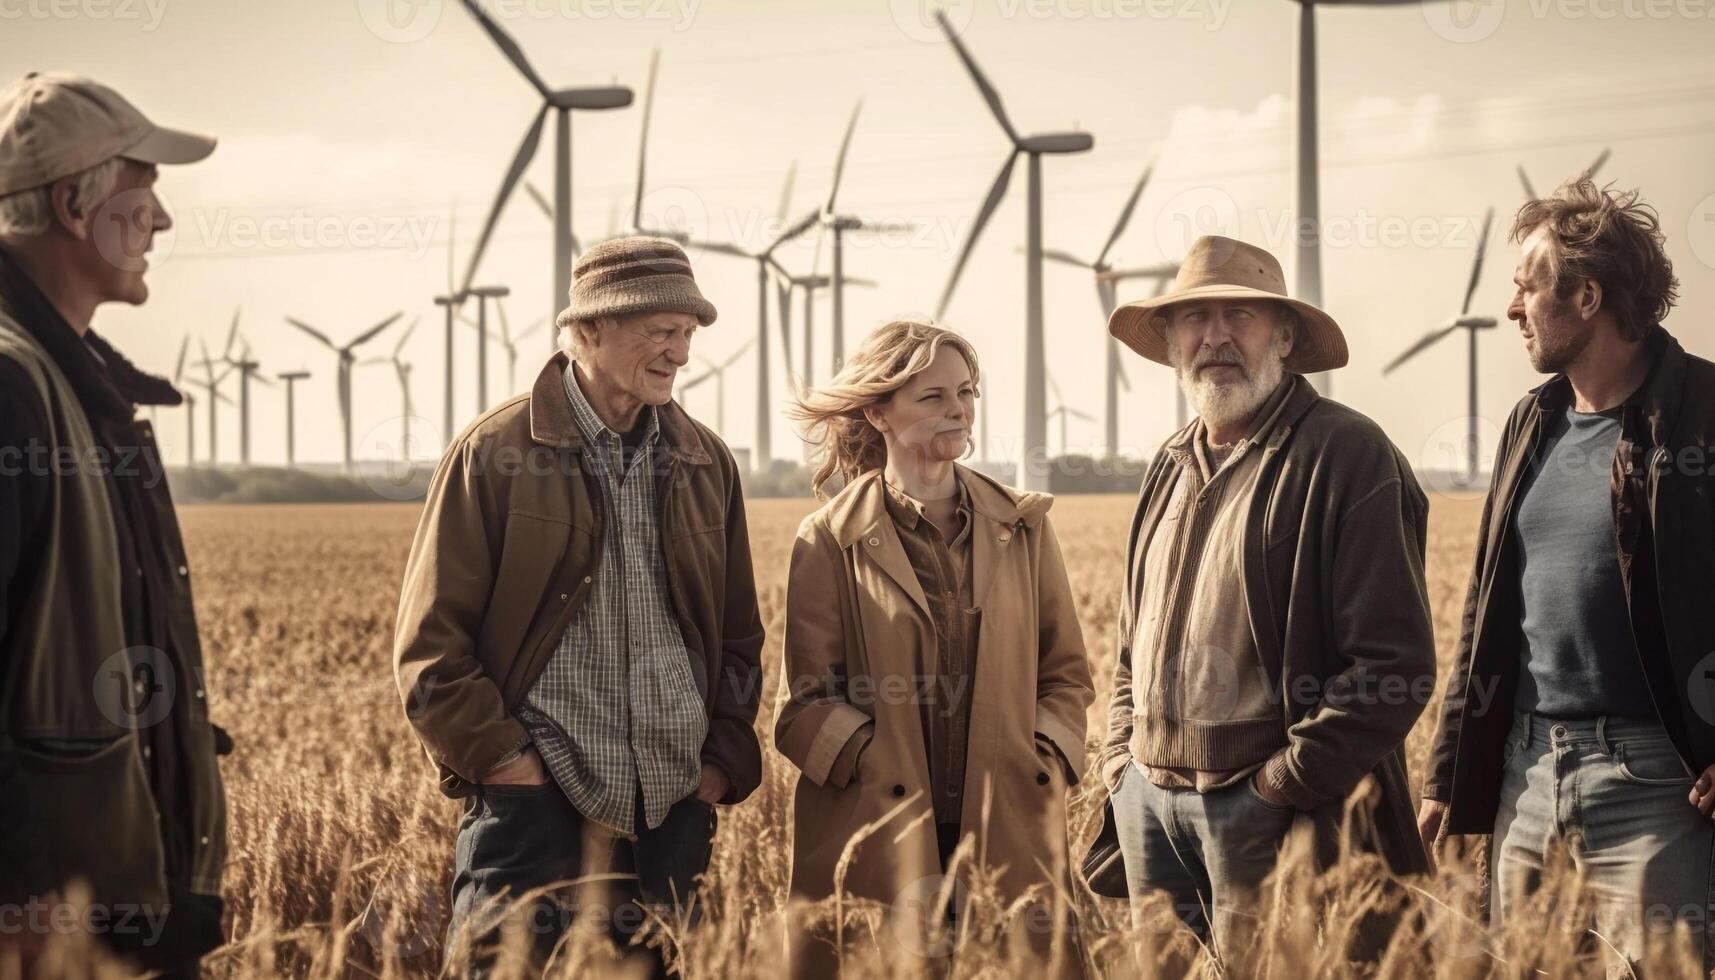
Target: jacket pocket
{"type": "Point", "coordinates": [96, 816]}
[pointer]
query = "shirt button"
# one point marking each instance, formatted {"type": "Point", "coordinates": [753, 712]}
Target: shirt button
{"type": "Point", "coordinates": [204, 840]}
{"type": "Point", "coordinates": [587, 579]}
{"type": "Point", "coordinates": [562, 597]}
{"type": "Point", "coordinates": [183, 571]}
{"type": "Point", "coordinates": [147, 752]}
{"type": "Point", "coordinates": [199, 692]}
{"type": "Point", "coordinates": [875, 542]}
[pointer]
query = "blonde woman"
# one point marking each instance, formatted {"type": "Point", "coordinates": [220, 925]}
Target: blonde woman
{"type": "Point", "coordinates": [936, 675]}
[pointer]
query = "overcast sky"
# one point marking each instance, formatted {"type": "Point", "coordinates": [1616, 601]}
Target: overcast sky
{"type": "Point", "coordinates": [352, 131]}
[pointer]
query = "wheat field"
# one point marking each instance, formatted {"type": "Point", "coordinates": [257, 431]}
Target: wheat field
{"type": "Point", "coordinates": [341, 845]}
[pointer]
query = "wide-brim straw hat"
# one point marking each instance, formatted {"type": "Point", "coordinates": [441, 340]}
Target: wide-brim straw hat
{"type": "Point", "coordinates": [1224, 268]}
{"type": "Point", "coordinates": [632, 275]}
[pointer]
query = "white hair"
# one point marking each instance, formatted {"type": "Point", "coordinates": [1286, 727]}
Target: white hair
{"type": "Point", "coordinates": [27, 213]}
{"type": "Point", "coordinates": [1235, 401]}
{"type": "Point", "coordinates": [567, 338]}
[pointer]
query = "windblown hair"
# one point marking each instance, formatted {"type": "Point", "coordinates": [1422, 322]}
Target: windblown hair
{"type": "Point", "coordinates": [832, 417]}
{"type": "Point", "coordinates": [1609, 236]}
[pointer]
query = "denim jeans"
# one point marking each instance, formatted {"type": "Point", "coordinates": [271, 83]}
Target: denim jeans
{"type": "Point", "coordinates": [516, 838]}
{"type": "Point", "coordinates": [1207, 851]}
{"type": "Point", "coordinates": [1614, 792]}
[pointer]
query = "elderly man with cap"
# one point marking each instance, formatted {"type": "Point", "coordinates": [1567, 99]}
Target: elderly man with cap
{"type": "Point", "coordinates": [578, 633]}
{"type": "Point", "coordinates": [109, 787]}
{"type": "Point", "coordinates": [1274, 638]}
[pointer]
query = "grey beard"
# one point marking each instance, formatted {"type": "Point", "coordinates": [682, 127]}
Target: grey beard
{"type": "Point", "coordinates": [1224, 404]}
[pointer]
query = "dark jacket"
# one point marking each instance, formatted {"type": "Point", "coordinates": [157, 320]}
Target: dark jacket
{"type": "Point", "coordinates": [1335, 592]}
{"type": "Point", "coordinates": [502, 561]}
{"type": "Point", "coordinates": [102, 696]}
{"type": "Point", "coordinates": [1664, 509]}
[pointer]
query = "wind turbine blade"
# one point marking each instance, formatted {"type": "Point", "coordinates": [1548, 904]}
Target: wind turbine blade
{"type": "Point", "coordinates": [312, 331]}
{"type": "Point", "coordinates": [800, 227]}
{"type": "Point", "coordinates": [722, 248]}
{"type": "Point", "coordinates": [1477, 266]}
{"type": "Point", "coordinates": [1125, 214]}
{"type": "Point", "coordinates": [220, 396]}
{"type": "Point", "coordinates": [1054, 386]}
{"type": "Point", "coordinates": [1085, 416]}
{"type": "Point", "coordinates": [1529, 191]}
{"type": "Point", "coordinates": [1120, 375]}
{"type": "Point", "coordinates": [405, 336]}
{"type": "Point", "coordinates": [989, 94]}
{"type": "Point", "coordinates": [1065, 258]}
{"type": "Point", "coordinates": [735, 355]}
{"type": "Point", "coordinates": [783, 294]}
{"type": "Point", "coordinates": [508, 47]}
{"type": "Point", "coordinates": [505, 327]}
{"type": "Point", "coordinates": [259, 379]}
{"type": "Point", "coordinates": [1428, 340]}
{"type": "Point", "coordinates": [372, 331]}
{"type": "Point", "coordinates": [372, 361]}
{"type": "Point", "coordinates": [179, 369]}
{"type": "Point", "coordinates": [541, 200]}
{"type": "Point", "coordinates": [858, 281]}
{"type": "Point", "coordinates": [786, 190]}
{"type": "Point", "coordinates": [840, 160]}
{"type": "Point", "coordinates": [996, 192]}
{"type": "Point", "coordinates": [699, 379]}
{"type": "Point", "coordinates": [231, 336]}
{"type": "Point", "coordinates": [1601, 158]}
{"type": "Point", "coordinates": [520, 160]}
{"type": "Point", "coordinates": [643, 140]}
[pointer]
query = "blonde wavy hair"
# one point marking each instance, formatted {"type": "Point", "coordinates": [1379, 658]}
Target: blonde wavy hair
{"type": "Point", "coordinates": [832, 418]}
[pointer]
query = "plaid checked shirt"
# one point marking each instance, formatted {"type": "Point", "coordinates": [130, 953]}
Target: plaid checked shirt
{"type": "Point", "coordinates": [617, 704]}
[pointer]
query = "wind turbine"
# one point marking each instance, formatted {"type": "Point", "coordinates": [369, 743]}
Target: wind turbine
{"type": "Point", "coordinates": [837, 224]}
{"type": "Point", "coordinates": [247, 370]}
{"type": "Point", "coordinates": [1033, 147]}
{"type": "Point", "coordinates": [291, 378]}
{"type": "Point", "coordinates": [810, 285]}
{"type": "Point", "coordinates": [1107, 294]}
{"type": "Point", "coordinates": [1595, 165]}
{"type": "Point", "coordinates": [190, 404]}
{"type": "Point", "coordinates": [718, 373]}
{"type": "Point", "coordinates": [483, 294]}
{"type": "Point", "coordinates": [637, 225]}
{"type": "Point", "coordinates": [212, 386]}
{"type": "Point", "coordinates": [562, 102]}
{"type": "Point", "coordinates": [452, 300]}
{"type": "Point", "coordinates": [1061, 411]}
{"type": "Point", "coordinates": [1470, 324]}
{"type": "Point", "coordinates": [765, 264]}
{"type": "Point", "coordinates": [510, 340]}
{"type": "Point", "coordinates": [403, 370]}
{"type": "Point", "coordinates": [1307, 268]}
{"type": "Point", "coordinates": [343, 378]}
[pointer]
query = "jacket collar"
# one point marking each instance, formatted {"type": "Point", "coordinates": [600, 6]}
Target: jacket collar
{"type": "Point", "coordinates": [862, 506]}
{"type": "Point", "coordinates": [552, 422]}
{"type": "Point", "coordinates": [1657, 399]}
{"type": "Point", "coordinates": [108, 386]}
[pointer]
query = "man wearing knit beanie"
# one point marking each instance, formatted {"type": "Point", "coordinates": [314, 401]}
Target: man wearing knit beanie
{"type": "Point", "coordinates": [578, 634]}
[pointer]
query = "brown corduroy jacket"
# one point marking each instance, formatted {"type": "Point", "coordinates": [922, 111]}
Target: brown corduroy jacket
{"type": "Point", "coordinates": [504, 557]}
{"type": "Point", "coordinates": [1335, 593]}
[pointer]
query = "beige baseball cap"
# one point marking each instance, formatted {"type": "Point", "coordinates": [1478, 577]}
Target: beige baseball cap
{"type": "Point", "coordinates": [54, 124]}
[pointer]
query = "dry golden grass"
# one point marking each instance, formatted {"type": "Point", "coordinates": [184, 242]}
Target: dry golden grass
{"type": "Point", "coordinates": [341, 845]}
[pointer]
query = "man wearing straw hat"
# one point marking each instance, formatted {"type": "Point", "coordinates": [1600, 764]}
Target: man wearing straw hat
{"type": "Point", "coordinates": [110, 792]}
{"type": "Point", "coordinates": [1274, 638]}
{"type": "Point", "coordinates": [578, 633]}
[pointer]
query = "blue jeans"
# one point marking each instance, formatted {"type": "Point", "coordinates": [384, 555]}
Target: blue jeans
{"type": "Point", "coordinates": [1207, 851]}
{"type": "Point", "coordinates": [1614, 792]}
{"type": "Point", "coordinates": [516, 838]}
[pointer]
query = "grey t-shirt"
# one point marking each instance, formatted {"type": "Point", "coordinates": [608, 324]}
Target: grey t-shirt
{"type": "Point", "coordinates": [1579, 657]}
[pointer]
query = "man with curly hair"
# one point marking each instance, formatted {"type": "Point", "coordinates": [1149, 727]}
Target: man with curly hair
{"type": "Point", "coordinates": [1581, 712]}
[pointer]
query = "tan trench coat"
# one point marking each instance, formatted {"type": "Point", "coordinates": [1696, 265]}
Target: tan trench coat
{"type": "Point", "coordinates": [857, 624]}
